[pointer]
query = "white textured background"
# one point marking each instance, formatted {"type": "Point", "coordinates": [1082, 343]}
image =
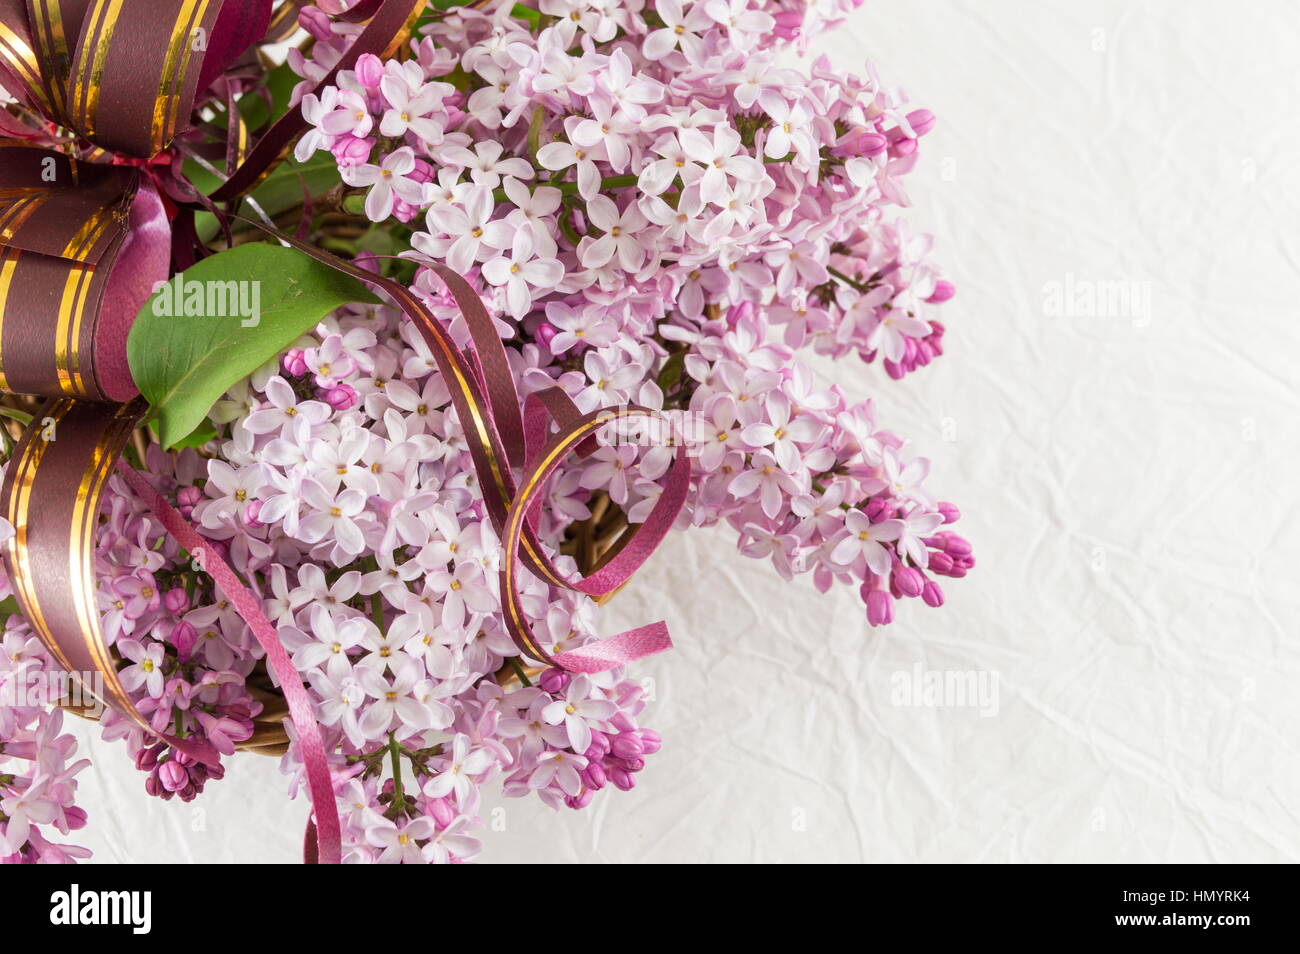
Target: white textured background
{"type": "Point", "coordinates": [1129, 484]}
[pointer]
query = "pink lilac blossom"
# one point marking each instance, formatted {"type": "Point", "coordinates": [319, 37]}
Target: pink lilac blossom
{"type": "Point", "coordinates": [655, 212]}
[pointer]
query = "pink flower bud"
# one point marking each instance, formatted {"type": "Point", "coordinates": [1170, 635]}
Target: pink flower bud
{"type": "Point", "coordinates": [932, 594]}
{"type": "Point", "coordinates": [955, 545]}
{"type": "Point", "coordinates": [423, 171]}
{"type": "Point", "coordinates": [743, 311]}
{"type": "Point", "coordinates": [865, 143]}
{"type": "Point", "coordinates": [316, 22]}
{"type": "Point", "coordinates": [581, 800]}
{"type": "Point", "coordinates": [909, 580]}
{"type": "Point", "coordinates": [370, 70]}
{"type": "Point", "coordinates": [175, 600]}
{"type": "Point", "coordinates": [441, 811]}
{"type": "Point", "coordinates": [880, 608]}
{"type": "Point", "coordinates": [650, 741]}
{"type": "Point", "coordinates": [172, 775]}
{"type": "Point", "coordinates": [341, 397]}
{"type": "Point", "coordinates": [594, 776]}
{"type": "Point", "coordinates": [902, 148]}
{"type": "Point", "coordinates": [623, 722]}
{"type": "Point", "coordinates": [942, 292]}
{"type": "Point", "coordinates": [250, 515]}
{"type": "Point", "coordinates": [351, 151]}
{"type": "Point", "coordinates": [554, 681]}
{"type": "Point", "coordinates": [621, 779]}
{"type": "Point", "coordinates": [294, 363]}
{"type": "Point", "coordinates": [147, 758]}
{"type": "Point", "coordinates": [76, 817]}
{"type": "Point", "coordinates": [183, 637]}
{"type": "Point", "coordinates": [950, 512]}
{"type": "Point", "coordinates": [627, 745]}
{"type": "Point", "coordinates": [545, 333]}
{"type": "Point", "coordinates": [789, 24]}
{"type": "Point", "coordinates": [599, 747]}
{"type": "Point", "coordinates": [186, 499]}
{"type": "Point", "coordinates": [921, 121]}
{"type": "Point", "coordinates": [940, 562]}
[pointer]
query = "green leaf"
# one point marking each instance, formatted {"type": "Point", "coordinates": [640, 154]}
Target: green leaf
{"type": "Point", "coordinates": [671, 373]}
{"type": "Point", "coordinates": [183, 363]}
{"type": "Point", "coordinates": [8, 607]}
{"type": "Point", "coordinates": [196, 438]}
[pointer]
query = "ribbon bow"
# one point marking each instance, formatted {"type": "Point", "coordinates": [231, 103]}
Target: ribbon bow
{"type": "Point", "coordinates": [86, 232]}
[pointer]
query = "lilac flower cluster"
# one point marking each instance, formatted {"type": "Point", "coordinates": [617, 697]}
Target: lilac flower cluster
{"type": "Point", "coordinates": [656, 212]}
{"type": "Point", "coordinates": [38, 784]}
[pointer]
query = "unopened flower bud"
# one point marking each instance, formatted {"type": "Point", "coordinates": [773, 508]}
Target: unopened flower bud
{"type": "Point", "coordinates": [789, 24]}
{"type": "Point", "coordinates": [554, 681]}
{"type": "Point", "coordinates": [921, 121]}
{"type": "Point", "coordinates": [294, 363]}
{"type": "Point", "coordinates": [942, 292]}
{"type": "Point", "coordinates": [176, 601]}
{"type": "Point", "coordinates": [627, 745]}
{"type": "Point", "coordinates": [369, 70]}
{"type": "Point", "coordinates": [932, 594]}
{"type": "Point", "coordinates": [909, 580]}
{"type": "Point", "coordinates": [621, 779]}
{"type": "Point", "coordinates": [183, 636]}
{"type": "Point", "coordinates": [902, 148]}
{"type": "Point", "coordinates": [341, 397]}
{"type": "Point", "coordinates": [351, 150]}
{"type": "Point", "coordinates": [940, 562]}
{"type": "Point", "coordinates": [249, 516]}
{"type": "Point", "coordinates": [441, 811]}
{"type": "Point", "coordinates": [186, 499]}
{"type": "Point", "coordinates": [581, 800]}
{"type": "Point", "coordinates": [172, 776]}
{"type": "Point", "coordinates": [599, 747]}
{"type": "Point", "coordinates": [880, 608]}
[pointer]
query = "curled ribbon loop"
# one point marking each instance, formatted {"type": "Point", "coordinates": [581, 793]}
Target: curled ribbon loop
{"type": "Point", "coordinates": [487, 405]}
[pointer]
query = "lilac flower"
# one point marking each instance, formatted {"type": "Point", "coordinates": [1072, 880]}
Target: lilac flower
{"type": "Point", "coordinates": [387, 181]}
{"type": "Point", "coordinates": [456, 777]}
{"type": "Point", "coordinates": [576, 711]}
{"type": "Point", "coordinates": [521, 274]}
{"type": "Point", "coordinates": [146, 670]}
{"type": "Point", "coordinates": [866, 541]}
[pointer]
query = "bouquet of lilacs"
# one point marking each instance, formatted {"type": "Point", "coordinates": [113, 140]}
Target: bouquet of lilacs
{"type": "Point", "coordinates": [657, 212]}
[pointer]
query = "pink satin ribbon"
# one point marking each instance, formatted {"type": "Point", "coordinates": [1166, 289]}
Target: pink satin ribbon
{"type": "Point", "coordinates": [327, 839]}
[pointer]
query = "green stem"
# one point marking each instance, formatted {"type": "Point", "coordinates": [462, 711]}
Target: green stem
{"type": "Point", "coordinates": [851, 282]}
{"type": "Point", "coordinates": [519, 671]}
{"type": "Point", "coordinates": [399, 797]}
{"type": "Point", "coordinates": [22, 417]}
{"type": "Point", "coordinates": [376, 598]}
